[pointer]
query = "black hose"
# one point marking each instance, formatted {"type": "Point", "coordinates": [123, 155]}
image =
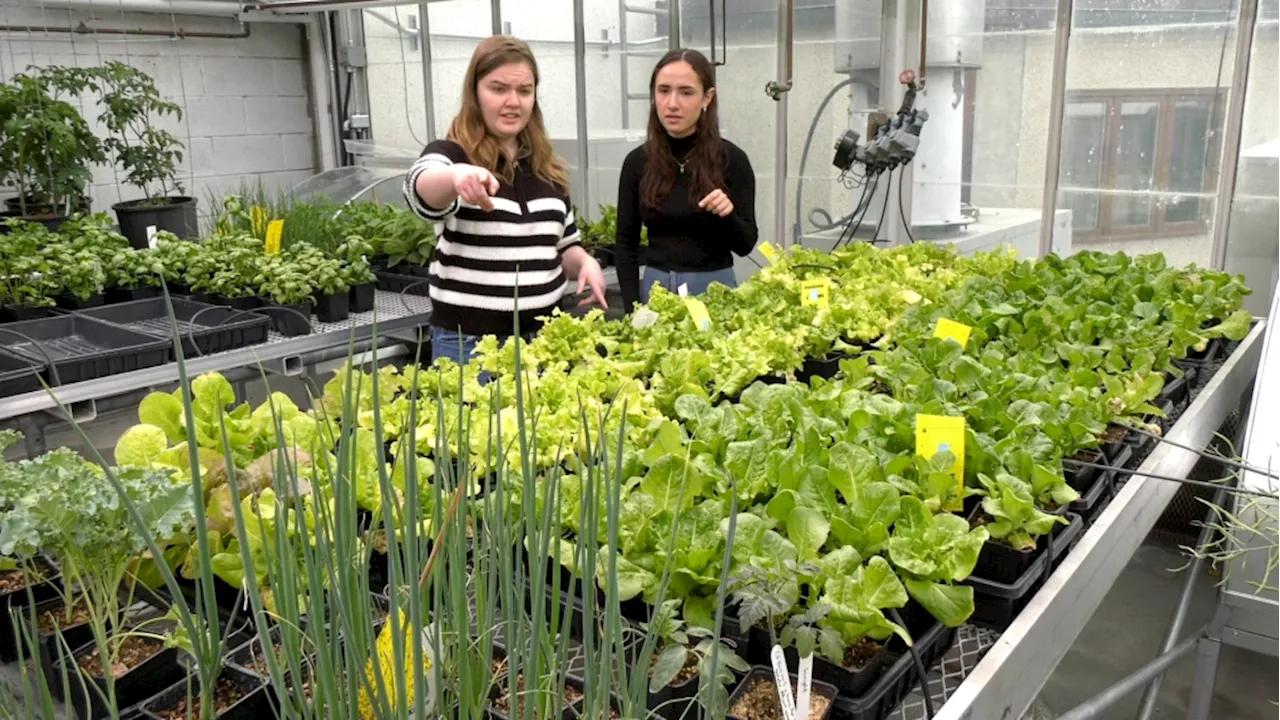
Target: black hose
{"type": "Point", "coordinates": [920, 669]}
{"type": "Point", "coordinates": [808, 142]}
{"type": "Point", "coordinates": [902, 212]}
{"type": "Point", "coordinates": [846, 222]}
{"type": "Point", "coordinates": [53, 371]}
{"type": "Point", "coordinates": [884, 208]}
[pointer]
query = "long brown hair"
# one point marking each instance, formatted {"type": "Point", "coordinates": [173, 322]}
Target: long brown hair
{"type": "Point", "coordinates": [705, 160]}
{"type": "Point", "coordinates": [468, 128]}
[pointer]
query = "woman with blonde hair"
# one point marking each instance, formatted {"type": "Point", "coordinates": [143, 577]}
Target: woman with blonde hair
{"type": "Point", "coordinates": [502, 195]}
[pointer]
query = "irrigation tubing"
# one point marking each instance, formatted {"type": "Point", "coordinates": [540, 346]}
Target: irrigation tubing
{"type": "Point", "coordinates": [1185, 481]}
{"type": "Point", "coordinates": [920, 668]}
{"type": "Point", "coordinates": [1206, 454]}
{"type": "Point", "coordinates": [53, 371]}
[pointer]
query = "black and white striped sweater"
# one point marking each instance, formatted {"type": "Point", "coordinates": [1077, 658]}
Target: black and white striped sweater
{"type": "Point", "coordinates": [481, 256]}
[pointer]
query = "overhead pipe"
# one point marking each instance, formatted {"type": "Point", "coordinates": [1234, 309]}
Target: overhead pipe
{"type": "Point", "coordinates": [206, 8]}
{"type": "Point", "coordinates": [778, 91]}
{"type": "Point", "coordinates": [83, 29]}
{"type": "Point", "coordinates": [1225, 195]}
{"type": "Point", "coordinates": [1057, 109]}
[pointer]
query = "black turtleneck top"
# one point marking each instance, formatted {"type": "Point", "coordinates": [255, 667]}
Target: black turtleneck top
{"type": "Point", "coordinates": [682, 236]}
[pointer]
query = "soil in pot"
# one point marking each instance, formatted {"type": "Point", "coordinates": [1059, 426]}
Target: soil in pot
{"type": "Point", "coordinates": [503, 701]}
{"type": "Point", "coordinates": [134, 650]}
{"type": "Point", "coordinates": [760, 702]}
{"type": "Point", "coordinates": [50, 621]}
{"type": "Point", "coordinates": [226, 693]}
{"type": "Point", "coordinates": [11, 581]}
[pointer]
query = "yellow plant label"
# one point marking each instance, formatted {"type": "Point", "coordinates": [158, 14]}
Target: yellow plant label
{"type": "Point", "coordinates": [938, 433]}
{"type": "Point", "coordinates": [257, 220]}
{"type": "Point", "coordinates": [952, 330]}
{"type": "Point", "coordinates": [769, 252]}
{"type": "Point", "coordinates": [698, 311]}
{"type": "Point", "coordinates": [275, 229]}
{"type": "Point", "coordinates": [815, 292]}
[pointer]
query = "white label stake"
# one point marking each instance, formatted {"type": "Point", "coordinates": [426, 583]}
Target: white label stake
{"type": "Point", "coordinates": [151, 236]}
{"type": "Point", "coordinates": [803, 687]}
{"type": "Point", "coordinates": [683, 290]}
{"type": "Point", "coordinates": [782, 679]}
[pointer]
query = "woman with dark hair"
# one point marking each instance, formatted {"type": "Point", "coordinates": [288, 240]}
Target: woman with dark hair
{"type": "Point", "coordinates": [502, 194]}
{"type": "Point", "coordinates": [693, 190]}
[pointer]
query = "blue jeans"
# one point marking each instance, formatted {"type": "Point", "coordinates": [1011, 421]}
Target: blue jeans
{"type": "Point", "coordinates": [697, 282]}
{"type": "Point", "coordinates": [458, 347]}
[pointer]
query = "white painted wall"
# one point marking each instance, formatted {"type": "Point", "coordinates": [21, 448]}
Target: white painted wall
{"type": "Point", "coordinates": [248, 112]}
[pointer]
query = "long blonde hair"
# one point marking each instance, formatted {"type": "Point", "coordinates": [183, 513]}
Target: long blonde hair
{"type": "Point", "coordinates": [468, 128]}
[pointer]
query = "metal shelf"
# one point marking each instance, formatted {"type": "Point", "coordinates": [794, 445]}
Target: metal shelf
{"type": "Point", "coordinates": [1002, 675]}
{"type": "Point", "coordinates": [285, 355]}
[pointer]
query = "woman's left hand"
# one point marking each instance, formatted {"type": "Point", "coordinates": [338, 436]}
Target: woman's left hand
{"type": "Point", "coordinates": [717, 202]}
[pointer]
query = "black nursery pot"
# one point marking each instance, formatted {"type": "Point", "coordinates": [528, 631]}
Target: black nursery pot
{"type": "Point", "coordinates": [254, 703]}
{"type": "Point", "coordinates": [20, 313]}
{"type": "Point", "coordinates": [67, 301]}
{"type": "Point", "coordinates": [236, 303]}
{"type": "Point", "coordinates": [137, 684]}
{"type": "Point", "coordinates": [51, 646]}
{"type": "Point", "coordinates": [139, 219]}
{"type": "Point", "coordinates": [333, 308]}
{"type": "Point", "coordinates": [16, 604]}
{"type": "Point", "coordinates": [362, 297]}
{"type": "Point", "coordinates": [760, 673]}
{"type": "Point", "coordinates": [1082, 478]}
{"type": "Point", "coordinates": [122, 295]}
{"type": "Point", "coordinates": [288, 320]}
{"type": "Point", "coordinates": [674, 701]}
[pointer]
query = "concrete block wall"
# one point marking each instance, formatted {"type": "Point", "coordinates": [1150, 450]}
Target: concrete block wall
{"type": "Point", "coordinates": [248, 112]}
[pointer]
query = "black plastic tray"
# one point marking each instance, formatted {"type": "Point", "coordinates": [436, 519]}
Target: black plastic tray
{"type": "Point", "coordinates": [83, 348]}
{"type": "Point", "coordinates": [997, 604]}
{"type": "Point", "coordinates": [19, 374]}
{"type": "Point", "coordinates": [896, 681]}
{"type": "Point", "coordinates": [396, 282]}
{"type": "Point", "coordinates": [215, 329]}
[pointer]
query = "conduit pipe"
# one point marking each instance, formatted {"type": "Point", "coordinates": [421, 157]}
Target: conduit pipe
{"type": "Point", "coordinates": [206, 8]}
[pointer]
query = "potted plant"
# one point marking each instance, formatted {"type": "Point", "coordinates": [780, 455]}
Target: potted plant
{"type": "Point", "coordinates": [286, 293]}
{"type": "Point", "coordinates": [28, 283]}
{"type": "Point", "coordinates": [148, 154]}
{"type": "Point", "coordinates": [331, 291]}
{"type": "Point", "coordinates": [79, 275]}
{"type": "Point", "coordinates": [358, 273]}
{"type": "Point", "coordinates": [683, 656]}
{"type": "Point", "coordinates": [46, 147]}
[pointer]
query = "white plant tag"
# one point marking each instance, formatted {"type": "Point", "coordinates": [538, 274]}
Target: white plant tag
{"type": "Point", "coordinates": [683, 290]}
{"type": "Point", "coordinates": [782, 679]}
{"type": "Point", "coordinates": [643, 318]}
{"type": "Point", "coordinates": [803, 687]}
{"type": "Point", "coordinates": [151, 236]}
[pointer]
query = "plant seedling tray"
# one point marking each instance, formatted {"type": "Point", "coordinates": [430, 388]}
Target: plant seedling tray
{"type": "Point", "coordinates": [83, 348]}
{"type": "Point", "coordinates": [254, 703]}
{"type": "Point", "coordinates": [19, 375]}
{"type": "Point", "coordinates": [16, 605]}
{"type": "Point", "coordinates": [203, 328]}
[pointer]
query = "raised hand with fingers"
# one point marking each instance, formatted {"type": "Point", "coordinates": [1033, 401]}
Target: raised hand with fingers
{"type": "Point", "coordinates": [717, 202]}
{"type": "Point", "coordinates": [475, 185]}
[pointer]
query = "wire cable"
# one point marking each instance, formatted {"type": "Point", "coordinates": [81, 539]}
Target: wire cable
{"type": "Point", "coordinates": [1205, 453]}
{"type": "Point", "coordinates": [1185, 481]}
{"type": "Point", "coordinates": [902, 212]}
{"type": "Point", "coordinates": [849, 218]}
{"type": "Point", "coordinates": [884, 208]}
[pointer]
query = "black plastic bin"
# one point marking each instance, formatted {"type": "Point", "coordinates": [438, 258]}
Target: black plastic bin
{"type": "Point", "coordinates": [203, 328]}
{"type": "Point", "coordinates": [19, 375]}
{"type": "Point", "coordinates": [333, 308]}
{"type": "Point", "coordinates": [83, 348]}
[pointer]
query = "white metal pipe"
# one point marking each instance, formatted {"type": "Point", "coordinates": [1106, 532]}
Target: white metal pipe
{"type": "Point", "coordinates": [208, 8]}
{"type": "Point", "coordinates": [1231, 134]}
{"type": "Point", "coordinates": [786, 37]}
{"type": "Point", "coordinates": [580, 101]}
{"type": "Point", "coordinates": [428, 87]}
{"type": "Point", "coordinates": [1057, 108]}
{"type": "Point", "coordinates": [939, 161]}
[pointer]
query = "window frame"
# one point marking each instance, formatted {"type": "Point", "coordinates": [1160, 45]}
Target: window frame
{"type": "Point", "coordinates": [1167, 99]}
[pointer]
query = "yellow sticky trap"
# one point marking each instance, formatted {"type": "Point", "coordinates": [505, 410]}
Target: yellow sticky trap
{"type": "Point", "coordinates": [275, 229]}
{"type": "Point", "coordinates": [769, 252]}
{"type": "Point", "coordinates": [952, 330]}
{"type": "Point", "coordinates": [698, 311]}
{"type": "Point", "coordinates": [257, 219]}
{"type": "Point", "coordinates": [938, 433]}
{"type": "Point", "coordinates": [815, 292]}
